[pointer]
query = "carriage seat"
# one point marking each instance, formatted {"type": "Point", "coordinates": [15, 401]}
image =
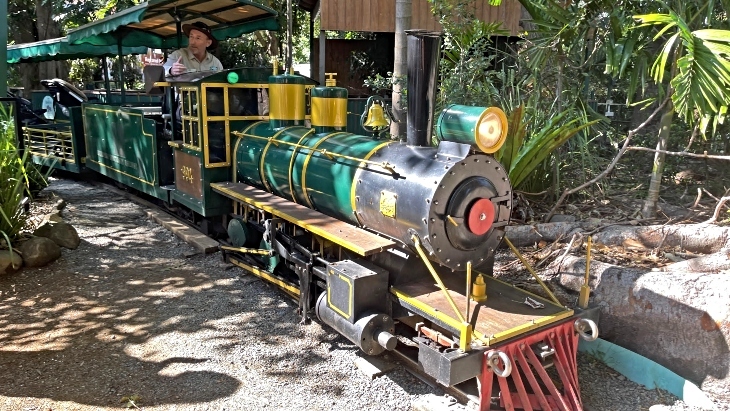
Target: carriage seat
{"type": "Point", "coordinates": [153, 74]}
{"type": "Point", "coordinates": [65, 93]}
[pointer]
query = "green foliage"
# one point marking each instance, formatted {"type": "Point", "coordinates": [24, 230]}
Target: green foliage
{"type": "Point", "coordinates": [17, 175]}
{"type": "Point", "coordinates": [543, 100]}
{"type": "Point", "coordinates": [702, 82]}
{"type": "Point", "coordinates": [689, 43]}
{"type": "Point", "coordinates": [89, 72]}
{"type": "Point", "coordinates": [300, 31]}
{"type": "Point", "coordinates": [467, 66]}
{"type": "Point", "coordinates": [535, 131]}
{"type": "Point", "coordinates": [245, 51]}
{"type": "Point", "coordinates": [82, 72]}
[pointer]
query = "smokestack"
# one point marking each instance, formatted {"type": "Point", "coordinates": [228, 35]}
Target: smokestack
{"type": "Point", "coordinates": [423, 62]}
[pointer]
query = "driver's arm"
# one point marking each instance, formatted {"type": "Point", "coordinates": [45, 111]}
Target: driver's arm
{"type": "Point", "coordinates": [171, 59]}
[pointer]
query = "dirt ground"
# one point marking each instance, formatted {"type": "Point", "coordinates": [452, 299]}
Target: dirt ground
{"type": "Point", "coordinates": [133, 318]}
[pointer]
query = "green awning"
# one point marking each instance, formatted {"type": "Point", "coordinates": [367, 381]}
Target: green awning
{"type": "Point", "coordinates": [61, 49]}
{"type": "Point", "coordinates": [156, 23]}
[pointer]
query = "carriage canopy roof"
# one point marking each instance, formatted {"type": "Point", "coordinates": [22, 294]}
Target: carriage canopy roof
{"type": "Point", "coordinates": [158, 23]}
{"type": "Point", "coordinates": [61, 49]}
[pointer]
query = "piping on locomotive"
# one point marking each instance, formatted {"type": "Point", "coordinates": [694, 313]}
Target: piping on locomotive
{"type": "Point", "coordinates": [390, 243]}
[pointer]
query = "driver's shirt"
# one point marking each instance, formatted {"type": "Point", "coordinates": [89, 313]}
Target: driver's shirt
{"type": "Point", "coordinates": [209, 63]}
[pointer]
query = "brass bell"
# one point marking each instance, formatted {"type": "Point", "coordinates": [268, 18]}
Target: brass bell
{"type": "Point", "coordinates": [376, 117]}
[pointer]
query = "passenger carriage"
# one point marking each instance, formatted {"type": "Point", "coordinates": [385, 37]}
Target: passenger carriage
{"type": "Point", "coordinates": [54, 133]}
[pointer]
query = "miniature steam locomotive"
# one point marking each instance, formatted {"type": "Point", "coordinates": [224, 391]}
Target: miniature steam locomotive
{"type": "Point", "coordinates": [390, 243]}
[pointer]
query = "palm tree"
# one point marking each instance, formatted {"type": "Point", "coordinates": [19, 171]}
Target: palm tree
{"type": "Point", "coordinates": [696, 53]}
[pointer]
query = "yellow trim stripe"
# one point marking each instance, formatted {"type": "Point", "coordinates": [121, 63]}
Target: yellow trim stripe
{"type": "Point", "coordinates": [35, 136]}
{"type": "Point", "coordinates": [313, 228]}
{"type": "Point", "coordinates": [291, 164]}
{"type": "Point", "coordinates": [262, 161]}
{"type": "Point", "coordinates": [486, 339]}
{"type": "Point", "coordinates": [92, 108]}
{"type": "Point", "coordinates": [152, 183]}
{"type": "Point", "coordinates": [235, 151]}
{"type": "Point", "coordinates": [522, 329]}
{"type": "Point", "coordinates": [203, 113]}
{"type": "Point", "coordinates": [329, 112]}
{"type": "Point", "coordinates": [306, 164]}
{"type": "Point", "coordinates": [349, 300]}
{"type": "Point", "coordinates": [88, 141]}
{"type": "Point", "coordinates": [440, 315]}
{"type": "Point", "coordinates": [292, 93]}
{"type": "Point", "coordinates": [286, 287]}
{"type": "Point", "coordinates": [360, 167]}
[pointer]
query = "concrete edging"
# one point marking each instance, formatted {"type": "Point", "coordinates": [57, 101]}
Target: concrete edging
{"type": "Point", "coordinates": [646, 372]}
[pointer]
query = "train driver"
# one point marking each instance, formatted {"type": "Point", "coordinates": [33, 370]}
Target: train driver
{"type": "Point", "coordinates": [196, 56]}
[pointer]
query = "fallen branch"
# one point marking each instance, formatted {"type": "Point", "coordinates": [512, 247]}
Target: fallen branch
{"type": "Point", "coordinates": [679, 153]}
{"type": "Point", "coordinates": [717, 210]}
{"type": "Point", "coordinates": [697, 200]}
{"type": "Point", "coordinates": [711, 263]}
{"type": "Point", "coordinates": [610, 167]}
{"type": "Point", "coordinates": [568, 248]}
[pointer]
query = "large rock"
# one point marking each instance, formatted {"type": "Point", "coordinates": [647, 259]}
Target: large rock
{"type": "Point", "coordinates": [10, 262]}
{"type": "Point", "coordinates": [680, 320]}
{"type": "Point", "coordinates": [63, 234]}
{"type": "Point", "coordinates": [39, 251]}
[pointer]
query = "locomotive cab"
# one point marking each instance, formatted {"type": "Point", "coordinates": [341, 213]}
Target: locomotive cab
{"type": "Point", "coordinates": [208, 107]}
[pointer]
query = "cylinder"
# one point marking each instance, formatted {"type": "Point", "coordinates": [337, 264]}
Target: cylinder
{"type": "Point", "coordinates": [238, 232]}
{"type": "Point", "coordinates": [423, 60]}
{"type": "Point", "coordinates": [373, 333]}
{"type": "Point", "coordinates": [287, 106]}
{"type": "Point", "coordinates": [329, 109]}
{"type": "Point", "coordinates": [481, 127]}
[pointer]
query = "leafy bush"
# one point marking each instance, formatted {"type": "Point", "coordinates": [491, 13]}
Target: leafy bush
{"type": "Point", "coordinates": [17, 175]}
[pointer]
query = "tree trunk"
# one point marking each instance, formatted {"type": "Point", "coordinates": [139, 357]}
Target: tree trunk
{"type": "Point", "coordinates": [712, 263]}
{"type": "Point", "coordinates": [48, 29]}
{"type": "Point", "coordinates": [21, 32]}
{"type": "Point", "coordinates": [527, 235]}
{"type": "Point", "coordinates": [403, 13]}
{"type": "Point", "coordinates": [649, 209]}
{"type": "Point", "coordinates": [695, 238]}
{"type": "Point", "coordinates": [678, 319]}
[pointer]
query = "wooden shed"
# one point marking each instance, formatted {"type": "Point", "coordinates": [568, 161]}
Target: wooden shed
{"type": "Point", "coordinates": [378, 16]}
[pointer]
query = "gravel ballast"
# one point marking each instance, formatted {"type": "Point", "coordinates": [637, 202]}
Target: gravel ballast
{"type": "Point", "coordinates": [135, 318]}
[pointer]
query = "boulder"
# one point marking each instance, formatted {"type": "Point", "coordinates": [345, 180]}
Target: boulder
{"type": "Point", "coordinates": [63, 234]}
{"type": "Point", "coordinates": [10, 262]}
{"type": "Point", "coordinates": [43, 230]}
{"type": "Point", "coordinates": [39, 251]}
{"type": "Point", "coordinates": [54, 217]}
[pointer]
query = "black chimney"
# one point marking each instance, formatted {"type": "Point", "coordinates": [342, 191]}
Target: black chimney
{"type": "Point", "coordinates": [423, 62]}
